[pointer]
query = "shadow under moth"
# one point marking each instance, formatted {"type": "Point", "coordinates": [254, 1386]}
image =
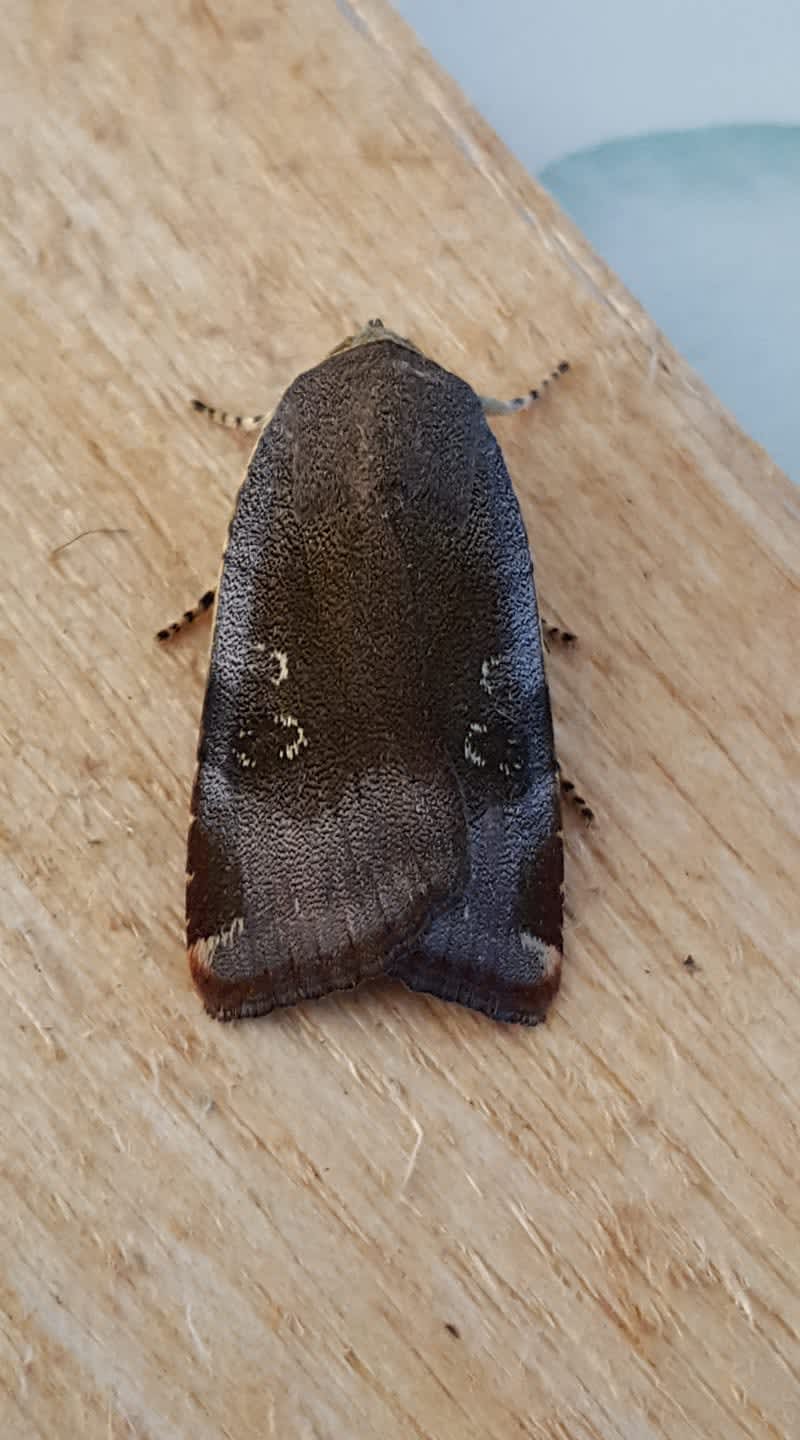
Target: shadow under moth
{"type": "Point", "coordinates": [377, 791]}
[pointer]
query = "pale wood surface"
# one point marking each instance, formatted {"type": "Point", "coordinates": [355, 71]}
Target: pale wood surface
{"type": "Point", "coordinates": [266, 1230]}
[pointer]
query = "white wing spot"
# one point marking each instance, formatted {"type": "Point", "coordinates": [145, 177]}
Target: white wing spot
{"type": "Point", "coordinates": [282, 661]}
{"type": "Point", "coordinates": [547, 955]}
{"type": "Point", "coordinates": [293, 748]}
{"type": "Point", "coordinates": [470, 753]}
{"type": "Point", "coordinates": [203, 951]}
{"type": "Point", "coordinates": [486, 669]}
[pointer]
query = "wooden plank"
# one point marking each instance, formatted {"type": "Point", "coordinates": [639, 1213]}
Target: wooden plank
{"type": "Point", "coordinates": [379, 1216]}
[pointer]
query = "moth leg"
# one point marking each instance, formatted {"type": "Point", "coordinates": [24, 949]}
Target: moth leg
{"type": "Point", "coordinates": [553, 634]}
{"type": "Point", "coordinates": [522, 402]}
{"type": "Point", "coordinates": [568, 789]}
{"type": "Point", "coordinates": [204, 603]}
{"type": "Point", "coordinates": [231, 422]}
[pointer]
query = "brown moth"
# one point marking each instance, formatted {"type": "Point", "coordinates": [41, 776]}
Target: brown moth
{"type": "Point", "coordinates": [377, 791]}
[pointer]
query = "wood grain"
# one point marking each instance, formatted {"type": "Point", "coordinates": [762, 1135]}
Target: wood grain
{"type": "Point", "coordinates": [377, 1216]}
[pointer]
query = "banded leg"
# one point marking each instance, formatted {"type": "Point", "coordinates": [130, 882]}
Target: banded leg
{"type": "Point", "coordinates": [568, 789]}
{"type": "Point", "coordinates": [522, 402]}
{"type": "Point", "coordinates": [204, 603]}
{"type": "Point", "coordinates": [231, 422]}
{"type": "Point", "coordinates": [554, 635]}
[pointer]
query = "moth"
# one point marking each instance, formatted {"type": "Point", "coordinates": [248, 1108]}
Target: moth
{"type": "Point", "coordinates": [377, 791]}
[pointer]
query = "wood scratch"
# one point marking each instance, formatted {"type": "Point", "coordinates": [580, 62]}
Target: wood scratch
{"type": "Point", "coordinates": [102, 530]}
{"type": "Point", "coordinates": [412, 1159]}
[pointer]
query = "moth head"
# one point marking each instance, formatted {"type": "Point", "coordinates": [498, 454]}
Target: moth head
{"type": "Point", "coordinates": [373, 331]}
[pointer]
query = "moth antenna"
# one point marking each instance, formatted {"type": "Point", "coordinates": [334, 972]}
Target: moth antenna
{"type": "Point", "coordinates": [224, 417]}
{"type": "Point", "coordinates": [522, 402]}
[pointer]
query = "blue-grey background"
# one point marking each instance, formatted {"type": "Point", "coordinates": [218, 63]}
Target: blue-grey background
{"type": "Point", "coordinates": [671, 133]}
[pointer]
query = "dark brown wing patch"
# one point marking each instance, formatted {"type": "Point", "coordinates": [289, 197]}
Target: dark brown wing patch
{"type": "Point", "coordinates": [322, 904]}
{"type": "Point", "coordinates": [499, 949]}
